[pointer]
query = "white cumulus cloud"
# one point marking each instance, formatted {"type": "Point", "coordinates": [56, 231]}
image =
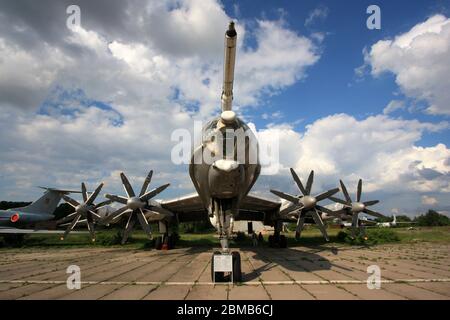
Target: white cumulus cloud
{"type": "Point", "coordinates": [420, 61]}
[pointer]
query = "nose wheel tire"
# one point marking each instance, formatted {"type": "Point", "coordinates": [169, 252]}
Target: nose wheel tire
{"type": "Point", "coordinates": [237, 272]}
{"type": "Point", "coordinates": [158, 243]}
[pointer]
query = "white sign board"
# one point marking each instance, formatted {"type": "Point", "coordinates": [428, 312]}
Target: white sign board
{"type": "Point", "coordinates": [223, 263]}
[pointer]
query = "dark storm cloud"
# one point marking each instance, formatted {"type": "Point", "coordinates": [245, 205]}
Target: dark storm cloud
{"type": "Point", "coordinates": [429, 174]}
{"type": "Point", "coordinates": [30, 22]}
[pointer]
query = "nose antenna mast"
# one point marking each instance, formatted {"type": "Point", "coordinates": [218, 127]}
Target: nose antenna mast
{"type": "Point", "coordinates": [228, 68]}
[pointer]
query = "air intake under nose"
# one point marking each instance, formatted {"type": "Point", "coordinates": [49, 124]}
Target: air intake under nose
{"type": "Point", "coordinates": [225, 179]}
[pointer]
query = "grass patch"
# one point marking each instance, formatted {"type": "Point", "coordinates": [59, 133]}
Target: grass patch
{"type": "Point", "coordinates": [310, 237]}
{"type": "Point", "coordinates": [374, 236]}
{"type": "Point", "coordinates": [424, 234]}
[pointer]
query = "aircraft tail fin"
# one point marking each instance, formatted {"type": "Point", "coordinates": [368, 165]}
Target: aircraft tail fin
{"type": "Point", "coordinates": [47, 203]}
{"type": "Point", "coordinates": [395, 218]}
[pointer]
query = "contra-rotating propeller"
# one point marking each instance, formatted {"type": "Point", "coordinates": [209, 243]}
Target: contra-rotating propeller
{"type": "Point", "coordinates": [86, 209]}
{"type": "Point", "coordinates": [305, 204]}
{"type": "Point", "coordinates": [355, 208]}
{"type": "Point", "coordinates": [136, 205]}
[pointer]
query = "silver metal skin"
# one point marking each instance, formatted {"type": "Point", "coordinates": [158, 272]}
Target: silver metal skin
{"type": "Point", "coordinates": [357, 207]}
{"type": "Point", "coordinates": [351, 210]}
{"type": "Point", "coordinates": [308, 202]}
{"type": "Point", "coordinates": [228, 68]}
{"type": "Point", "coordinates": [223, 184]}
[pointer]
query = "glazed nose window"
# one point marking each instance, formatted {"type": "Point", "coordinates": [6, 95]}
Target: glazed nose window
{"type": "Point", "coordinates": [228, 143]}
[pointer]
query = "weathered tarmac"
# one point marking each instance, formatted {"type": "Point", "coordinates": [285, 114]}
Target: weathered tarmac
{"type": "Point", "coordinates": [408, 271]}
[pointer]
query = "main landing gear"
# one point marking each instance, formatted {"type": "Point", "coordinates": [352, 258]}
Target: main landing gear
{"type": "Point", "coordinates": [278, 240]}
{"type": "Point", "coordinates": [167, 240]}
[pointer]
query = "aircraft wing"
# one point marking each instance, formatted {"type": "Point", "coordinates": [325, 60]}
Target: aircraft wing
{"type": "Point", "coordinates": [187, 208]}
{"type": "Point", "coordinates": [80, 222]}
{"type": "Point", "coordinates": [190, 207]}
{"type": "Point", "coordinates": [257, 208]}
{"type": "Point", "coordinates": [259, 203]}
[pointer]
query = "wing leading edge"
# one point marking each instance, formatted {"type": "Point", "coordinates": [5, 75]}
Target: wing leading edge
{"type": "Point", "coordinates": [190, 208]}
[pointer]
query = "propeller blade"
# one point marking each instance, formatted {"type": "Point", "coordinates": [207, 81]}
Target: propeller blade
{"type": "Point", "coordinates": [290, 209]}
{"type": "Point", "coordinates": [71, 226]}
{"type": "Point", "coordinates": [115, 198]}
{"type": "Point", "coordinates": [154, 192]}
{"type": "Point", "coordinates": [101, 204]}
{"type": "Point", "coordinates": [374, 213]}
{"type": "Point", "coordinates": [66, 218]}
{"type": "Point", "coordinates": [94, 195]}
{"type": "Point", "coordinates": [161, 210]}
{"type": "Point", "coordinates": [114, 215]}
{"type": "Point", "coordinates": [90, 225]}
{"type": "Point", "coordinates": [285, 196]}
{"type": "Point", "coordinates": [325, 209]}
{"type": "Point", "coordinates": [309, 182]}
{"type": "Point", "coordinates": [298, 182]}
{"type": "Point", "coordinates": [146, 183]}
{"type": "Point", "coordinates": [358, 193]}
{"type": "Point", "coordinates": [84, 192]}
{"type": "Point", "coordinates": [94, 215]}
{"type": "Point", "coordinates": [299, 228]}
{"type": "Point", "coordinates": [326, 194]}
{"type": "Point", "coordinates": [345, 192]}
{"type": "Point", "coordinates": [362, 231]}
{"type": "Point", "coordinates": [144, 223]}
{"type": "Point", "coordinates": [345, 203]}
{"type": "Point", "coordinates": [152, 216]}
{"type": "Point", "coordinates": [70, 201]}
{"type": "Point", "coordinates": [129, 227]}
{"type": "Point", "coordinates": [127, 186]}
{"type": "Point", "coordinates": [354, 224]}
{"type": "Point", "coordinates": [319, 223]}
{"type": "Point", "coordinates": [370, 203]}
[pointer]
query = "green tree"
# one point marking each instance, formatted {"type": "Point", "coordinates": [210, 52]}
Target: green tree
{"type": "Point", "coordinates": [432, 218]}
{"type": "Point", "coordinates": [5, 205]}
{"type": "Point", "coordinates": [63, 210]}
{"type": "Point", "coordinates": [403, 218]}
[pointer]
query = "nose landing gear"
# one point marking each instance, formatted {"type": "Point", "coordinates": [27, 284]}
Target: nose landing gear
{"type": "Point", "coordinates": [226, 267]}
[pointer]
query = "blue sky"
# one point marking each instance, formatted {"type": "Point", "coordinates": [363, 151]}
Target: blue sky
{"type": "Point", "coordinates": [84, 104]}
{"type": "Point", "coordinates": [331, 85]}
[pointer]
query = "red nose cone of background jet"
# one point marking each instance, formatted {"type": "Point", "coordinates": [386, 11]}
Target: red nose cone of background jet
{"type": "Point", "coordinates": [15, 217]}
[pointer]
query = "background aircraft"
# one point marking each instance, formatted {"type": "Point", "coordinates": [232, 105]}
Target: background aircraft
{"type": "Point", "coordinates": [34, 218]}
